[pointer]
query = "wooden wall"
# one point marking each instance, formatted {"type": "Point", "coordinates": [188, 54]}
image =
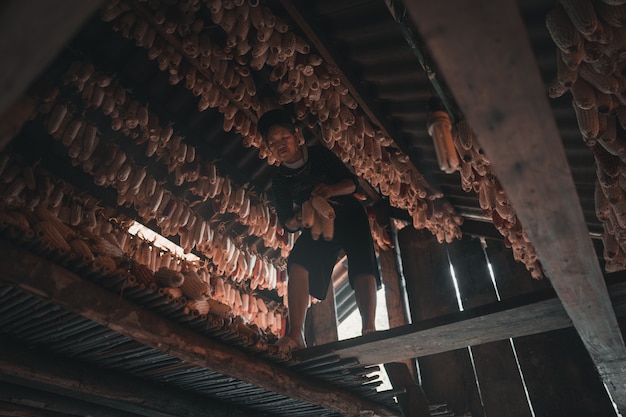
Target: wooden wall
{"type": "Point", "coordinates": [485, 380]}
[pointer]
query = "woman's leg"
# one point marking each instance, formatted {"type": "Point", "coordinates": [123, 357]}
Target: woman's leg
{"type": "Point", "coordinates": [298, 293]}
{"type": "Point", "coordinates": [365, 294]}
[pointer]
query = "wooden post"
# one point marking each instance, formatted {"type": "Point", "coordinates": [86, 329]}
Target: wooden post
{"type": "Point", "coordinates": [403, 375]}
{"type": "Point", "coordinates": [394, 296]}
{"type": "Point", "coordinates": [446, 377]}
{"type": "Point", "coordinates": [559, 374]}
{"type": "Point", "coordinates": [495, 365]}
{"type": "Point", "coordinates": [321, 323]}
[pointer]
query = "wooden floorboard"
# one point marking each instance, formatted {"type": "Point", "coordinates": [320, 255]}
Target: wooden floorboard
{"type": "Point", "coordinates": [47, 280]}
{"type": "Point", "coordinates": [519, 316]}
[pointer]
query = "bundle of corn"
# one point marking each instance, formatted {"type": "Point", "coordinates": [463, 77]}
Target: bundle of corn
{"type": "Point", "coordinates": [219, 75]}
{"type": "Point", "coordinates": [590, 60]}
{"type": "Point", "coordinates": [319, 216]}
{"type": "Point", "coordinates": [382, 241]}
{"type": "Point", "coordinates": [477, 176]}
{"type": "Point", "coordinates": [133, 184]}
{"type": "Point", "coordinates": [175, 215]}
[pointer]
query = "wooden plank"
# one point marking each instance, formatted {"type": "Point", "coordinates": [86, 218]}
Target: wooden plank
{"type": "Point", "coordinates": [321, 323]}
{"type": "Point", "coordinates": [413, 402]}
{"type": "Point", "coordinates": [32, 32]}
{"type": "Point", "coordinates": [575, 387]}
{"type": "Point", "coordinates": [512, 278]}
{"type": "Point", "coordinates": [446, 377]}
{"type": "Point", "coordinates": [472, 272]}
{"type": "Point", "coordinates": [516, 317]}
{"type": "Point", "coordinates": [402, 375]}
{"type": "Point", "coordinates": [47, 280]}
{"type": "Point", "coordinates": [494, 363]}
{"type": "Point", "coordinates": [394, 293]}
{"type": "Point", "coordinates": [483, 51]}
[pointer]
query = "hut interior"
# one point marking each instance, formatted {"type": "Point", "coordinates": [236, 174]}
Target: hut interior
{"type": "Point", "coordinates": [144, 267]}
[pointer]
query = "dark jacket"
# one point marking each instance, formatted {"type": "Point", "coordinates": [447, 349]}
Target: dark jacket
{"type": "Point", "coordinates": [292, 187]}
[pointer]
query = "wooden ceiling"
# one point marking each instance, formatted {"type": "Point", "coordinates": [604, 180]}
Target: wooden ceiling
{"type": "Point", "coordinates": [491, 64]}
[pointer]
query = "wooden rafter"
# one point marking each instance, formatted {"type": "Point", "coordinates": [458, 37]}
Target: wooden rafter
{"type": "Point", "coordinates": [483, 52]}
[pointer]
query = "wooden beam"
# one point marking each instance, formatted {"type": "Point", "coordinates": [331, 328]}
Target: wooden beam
{"type": "Point", "coordinates": [321, 323]}
{"type": "Point", "coordinates": [47, 280]}
{"type": "Point", "coordinates": [32, 32]}
{"type": "Point", "coordinates": [483, 51]}
{"type": "Point", "coordinates": [413, 401]}
{"type": "Point", "coordinates": [515, 317]}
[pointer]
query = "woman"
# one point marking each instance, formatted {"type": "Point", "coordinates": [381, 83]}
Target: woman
{"type": "Point", "coordinates": [303, 172]}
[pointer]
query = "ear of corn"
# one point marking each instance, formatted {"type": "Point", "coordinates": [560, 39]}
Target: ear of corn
{"type": "Point", "coordinates": [316, 229]}
{"type": "Point", "coordinates": [308, 214]}
{"type": "Point", "coordinates": [194, 288]}
{"type": "Point", "coordinates": [583, 94]}
{"type": "Point", "coordinates": [582, 15]}
{"type": "Point", "coordinates": [323, 207]}
{"type": "Point", "coordinates": [588, 123]}
{"type": "Point", "coordinates": [48, 231]}
{"type": "Point", "coordinates": [200, 306]}
{"type": "Point", "coordinates": [219, 309]}
{"type": "Point", "coordinates": [142, 273]}
{"type": "Point", "coordinates": [167, 277]}
{"type": "Point", "coordinates": [105, 264]}
{"type": "Point", "coordinates": [81, 248]}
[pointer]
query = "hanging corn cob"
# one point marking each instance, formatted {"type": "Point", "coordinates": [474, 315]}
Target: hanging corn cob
{"type": "Point", "coordinates": [590, 61]}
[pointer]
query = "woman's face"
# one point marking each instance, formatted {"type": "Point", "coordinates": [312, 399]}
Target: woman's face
{"type": "Point", "coordinates": [284, 145]}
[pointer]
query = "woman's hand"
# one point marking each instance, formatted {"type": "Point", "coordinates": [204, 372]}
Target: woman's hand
{"type": "Point", "coordinates": [343, 187]}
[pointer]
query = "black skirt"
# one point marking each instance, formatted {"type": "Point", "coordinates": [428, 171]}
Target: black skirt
{"type": "Point", "coordinates": [352, 234]}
